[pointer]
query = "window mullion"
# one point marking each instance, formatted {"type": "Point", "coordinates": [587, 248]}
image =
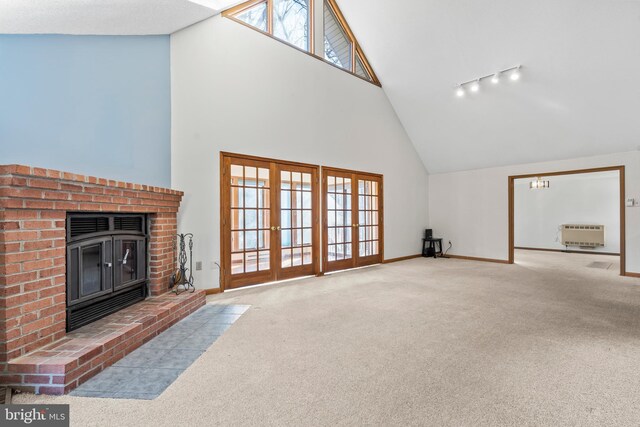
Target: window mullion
{"type": "Point", "coordinates": [311, 26]}
{"type": "Point", "coordinates": [354, 48]}
{"type": "Point", "coordinates": [270, 17]}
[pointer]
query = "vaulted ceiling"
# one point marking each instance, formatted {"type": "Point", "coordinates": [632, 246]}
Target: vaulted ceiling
{"type": "Point", "coordinates": [579, 94]}
{"type": "Point", "coordinates": [116, 17]}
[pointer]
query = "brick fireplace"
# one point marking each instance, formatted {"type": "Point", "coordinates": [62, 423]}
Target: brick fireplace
{"type": "Point", "coordinates": [36, 353]}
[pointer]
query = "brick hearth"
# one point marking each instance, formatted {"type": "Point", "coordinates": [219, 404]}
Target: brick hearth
{"type": "Point", "coordinates": [33, 206]}
{"type": "Point", "coordinates": [62, 366]}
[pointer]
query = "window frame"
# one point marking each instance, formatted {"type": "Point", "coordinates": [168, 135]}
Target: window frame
{"type": "Point", "coordinates": [232, 12]}
{"type": "Point", "coordinates": [356, 51]}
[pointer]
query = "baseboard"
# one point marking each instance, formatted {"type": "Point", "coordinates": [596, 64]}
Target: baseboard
{"type": "Point", "coordinates": [472, 258]}
{"type": "Point", "coordinates": [404, 258]}
{"type": "Point", "coordinates": [629, 274]}
{"type": "Point", "coordinates": [569, 251]}
{"type": "Point", "coordinates": [213, 291]}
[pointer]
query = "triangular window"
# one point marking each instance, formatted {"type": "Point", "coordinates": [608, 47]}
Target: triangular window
{"type": "Point", "coordinates": [337, 45]}
{"type": "Point", "coordinates": [255, 15]}
{"type": "Point", "coordinates": [291, 21]}
{"type": "Point", "coordinates": [361, 70]}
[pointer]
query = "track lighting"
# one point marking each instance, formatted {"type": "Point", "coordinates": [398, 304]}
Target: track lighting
{"type": "Point", "coordinates": [515, 74]}
{"type": "Point", "coordinates": [474, 85]}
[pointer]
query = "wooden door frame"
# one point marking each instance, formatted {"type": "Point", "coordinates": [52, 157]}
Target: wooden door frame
{"type": "Point", "coordinates": [354, 174]}
{"type": "Point", "coordinates": [225, 238]}
{"type": "Point", "coordinates": [621, 173]}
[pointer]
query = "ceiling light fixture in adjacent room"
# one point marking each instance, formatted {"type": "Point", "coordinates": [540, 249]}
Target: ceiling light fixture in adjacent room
{"type": "Point", "coordinates": [539, 183]}
{"type": "Point", "coordinates": [475, 86]}
{"type": "Point", "coordinates": [496, 78]}
{"type": "Point", "coordinates": [460, 92]}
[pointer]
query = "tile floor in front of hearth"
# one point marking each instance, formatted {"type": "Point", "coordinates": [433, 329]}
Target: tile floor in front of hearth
{"type": "Point", "coordinates": [146, 372]}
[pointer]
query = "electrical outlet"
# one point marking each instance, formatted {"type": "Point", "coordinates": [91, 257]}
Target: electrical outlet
{"type": "Point", "coordinates": [198, 265]}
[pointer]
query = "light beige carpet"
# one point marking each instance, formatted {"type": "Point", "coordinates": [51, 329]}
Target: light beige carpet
{"type": "Point", "coordinates": [549, 341]}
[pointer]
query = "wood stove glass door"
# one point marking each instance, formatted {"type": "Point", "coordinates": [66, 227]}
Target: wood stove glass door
{"type": "Point", "coordinates": [89, 270]}
{"type": "Point", "coordinates": [129, 260]}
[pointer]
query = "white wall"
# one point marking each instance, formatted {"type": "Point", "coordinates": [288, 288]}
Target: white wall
{"type": "Point", "coordinates": [471, 208]}
{"type": "Point", "coordinates": [236, 90]}
{"type": "Point", "coordinates": [592, 198]}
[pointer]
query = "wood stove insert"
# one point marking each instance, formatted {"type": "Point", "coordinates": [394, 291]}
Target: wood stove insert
{"type": "Point", "coordinates": [106, 265]}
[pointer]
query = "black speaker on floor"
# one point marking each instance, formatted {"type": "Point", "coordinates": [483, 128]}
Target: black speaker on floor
{"type": "Point", "coordinates": [428, 233]}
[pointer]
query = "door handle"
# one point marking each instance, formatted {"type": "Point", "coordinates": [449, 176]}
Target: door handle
{"type": "Point", "coordinates": [108, 264]}
{"type": "Point", "coordinates": [273, 228]}
{"type": "Point", "coordinates": [278, 228]}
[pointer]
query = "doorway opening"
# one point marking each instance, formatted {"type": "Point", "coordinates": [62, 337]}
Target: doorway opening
{"type": "Point", "coordinates": [580, 212]}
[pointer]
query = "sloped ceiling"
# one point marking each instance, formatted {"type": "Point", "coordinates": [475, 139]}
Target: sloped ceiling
{"type": "Point", "coordinates": [104, 17]}
{"type": "Point", "coordinates": [580, 88]}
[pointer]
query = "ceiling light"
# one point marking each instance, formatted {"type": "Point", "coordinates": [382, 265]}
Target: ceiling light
{"type": "Point", "coordinates": [539, 183]}
{"type": "Point", "coordinates": [515, 74]}
{"type": "Point", "coordinates": [474, 85]}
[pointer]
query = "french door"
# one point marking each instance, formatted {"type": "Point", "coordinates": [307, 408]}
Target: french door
{"type": "Point", "coordinates": [353, 219]}
{"type": "Point", "coordinates": [269, 220]}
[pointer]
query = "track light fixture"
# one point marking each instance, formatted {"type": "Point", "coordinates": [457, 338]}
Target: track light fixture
{"type": "Point", "coordinates": [474, 85]}
{"type": "Point", "coordinates": [515, 74]}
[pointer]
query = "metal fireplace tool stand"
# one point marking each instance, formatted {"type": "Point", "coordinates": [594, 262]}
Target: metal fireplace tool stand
{"type": "Point", "coordinates": [182, 280]}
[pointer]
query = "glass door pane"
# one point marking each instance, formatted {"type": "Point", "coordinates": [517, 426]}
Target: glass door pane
{"type": "Point", "coordinates": [296, 219]}
{"type": "Point", "coordinates": [269, 220]}
{"type": "Point", "coordinates": [91, 270]}
{"type": "Point", "coordinates": [339, 225]}
{"type": "Point", "coordinates": [339, 236]}
{"type": "Point", "coordinates": [297, 214]}
{"type": "Point", "coordinates": [353, 219]}
{"type": "Point", "coordinates": [91, 275]}
{"type": "Point", "coordinates": [129, 266]}
{"type": "Point", "coordinates": [368, 218]}
{"type": "Point", "coordinates": [250, 195]}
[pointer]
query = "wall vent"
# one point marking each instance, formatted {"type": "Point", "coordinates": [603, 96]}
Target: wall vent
{"type": "Point", "coordinates": [584, 236]}
{"type": "Point", "coordinates": [128, 223]}
{"type": "Point", "coordinates": [87, 225]}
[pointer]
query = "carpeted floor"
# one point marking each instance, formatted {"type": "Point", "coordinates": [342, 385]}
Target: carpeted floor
{"type": "Point", "coordinates": [549, 341]}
